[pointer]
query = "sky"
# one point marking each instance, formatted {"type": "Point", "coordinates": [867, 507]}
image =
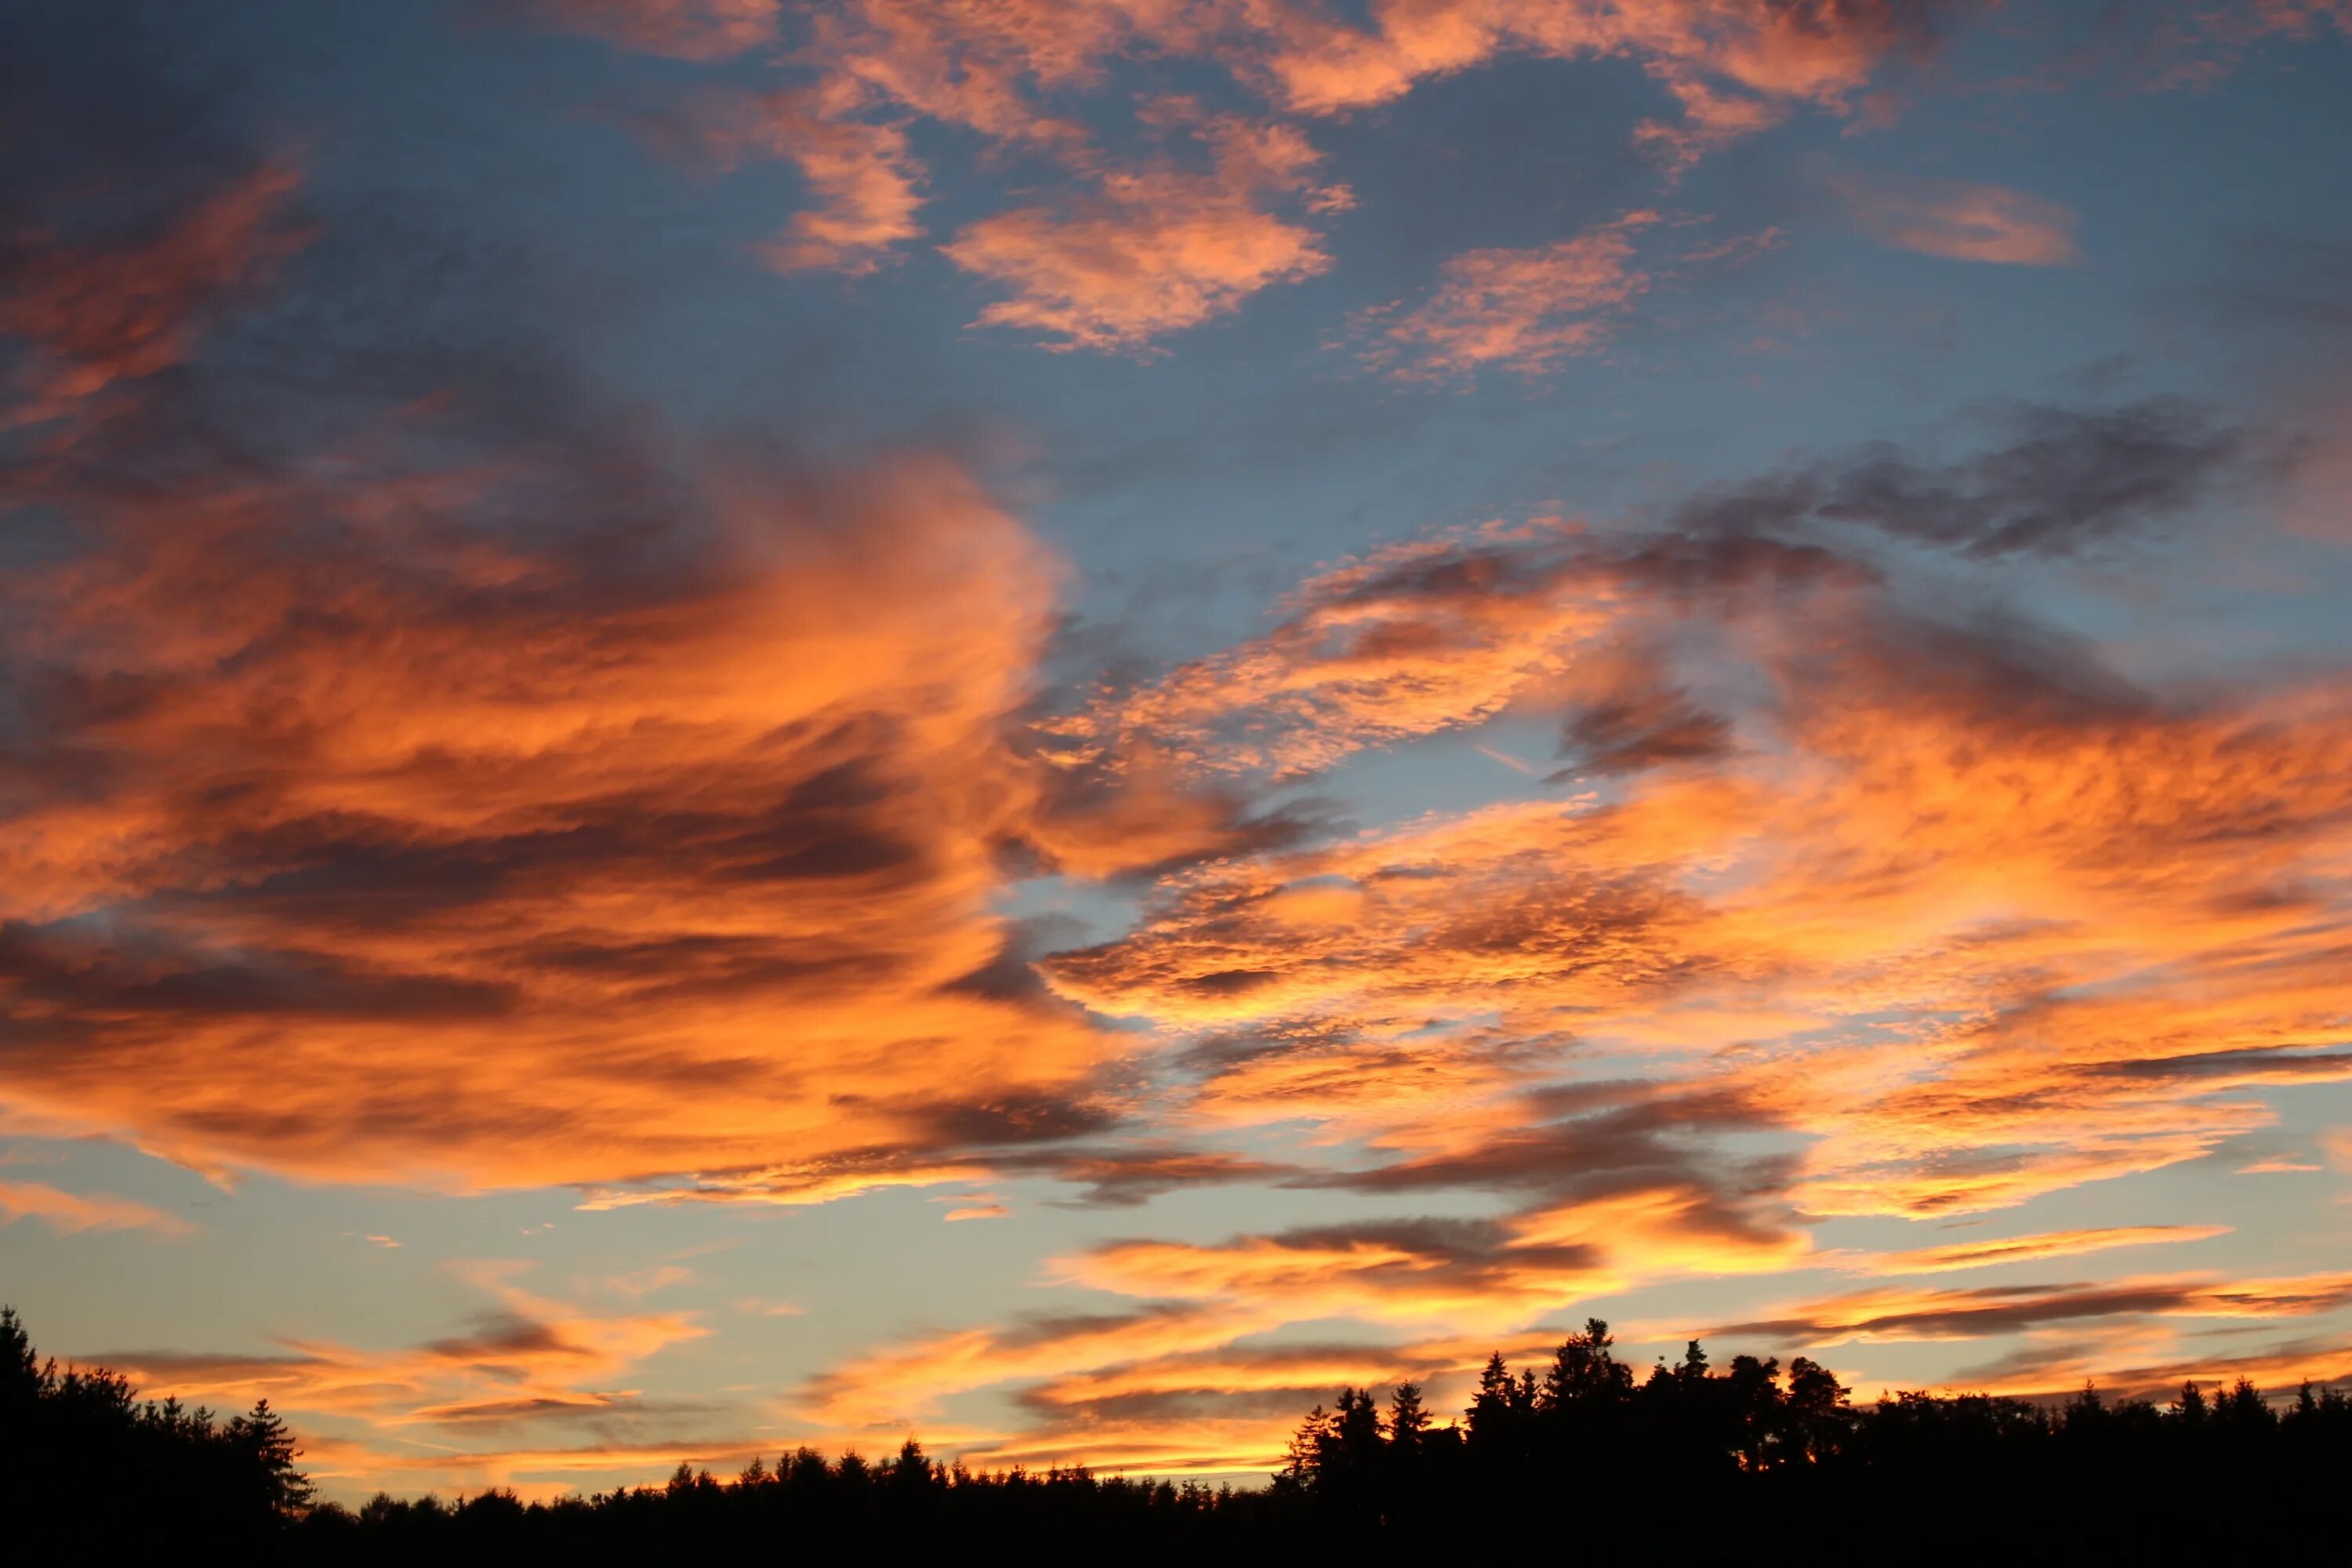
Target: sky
{"type": "Point", "coordinates": [1051, 723]}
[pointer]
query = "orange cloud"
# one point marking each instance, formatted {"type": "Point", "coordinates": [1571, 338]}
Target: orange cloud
{"type": "Point", "coordinates": [1433, 634]}
{"type": "Point", "coordinates": [1523, 310]}
{"type": "Point", "coordinates": [426, 889]}
{"type": "Point", "coordinates": [865, 182]}
{"type": "Point", "coordinates": [1963, 222]}
{"type": "Point", "coordinates": [986, 67]}
{"type": "Point", "coordinates": [351, 1471]}
{"type": "Point", "coordinates": [530, 1359]}
{"type": "Point", "coordinates": [529, 1365]}
{"type": "Point", "coordinates": [1923, 1314]}
{"type": "Point", "coordinates": [70, 1212]}
{"type": "Point", "coordinates": [1181, 1388]}
{"type": "Point", "coordinates": [2032, 1248]}
{"type": "Point", "coordinates": [2052, 1370]}
{"type": "Point", "coordinates": [1138, 248]}
{"type": "Point", "coordinates": [898, 1384]}
{"type": "Point", "coordinates": [1734, 64]}
{"type": "Point", "coordinates": [1425, 1271]}
{"type": "Point", "coordinates": [1155, 250]}
{"type": "Point", "coordinates": [1476, 1274]}
{"type": "Point", "coordinates": [430, 810]}
{"type": "Point", "coordinates": [1228, 1409]}
{"type": "Point", "coordinates": [452, 811]}
{"type": "Point", "coordinates": [1172, 1390]}
{"type": "Point", "coordinates": [1972, 919]}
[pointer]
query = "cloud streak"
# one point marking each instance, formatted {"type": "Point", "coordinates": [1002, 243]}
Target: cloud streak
{"type": "Point", "coordinates": [1959, 221]}
{"type": "Point", "coordinates": [1899, 1314]}
{"type": "Point", "coordinates": [2033, 1248]}
{"type": "Point", "coordinates": [69, 1213]}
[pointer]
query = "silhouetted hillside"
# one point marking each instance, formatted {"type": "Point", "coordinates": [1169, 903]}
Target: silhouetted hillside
{"type": "Point", "coordinates": [1579, 1461]}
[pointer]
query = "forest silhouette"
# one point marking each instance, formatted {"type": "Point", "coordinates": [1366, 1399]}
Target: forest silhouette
{"type": "Point", "coordinates": [1576, 1461]}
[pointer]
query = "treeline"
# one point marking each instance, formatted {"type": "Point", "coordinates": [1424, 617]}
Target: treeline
{"type": "Point", "coordinates": [1689, 1463]}
{"type": "Point", "coordinates": [1580, 1458]}
{"type": "Point", "coordinates": [80, 1448]}
{"type": "Point", "coordinates": [909, 1502]}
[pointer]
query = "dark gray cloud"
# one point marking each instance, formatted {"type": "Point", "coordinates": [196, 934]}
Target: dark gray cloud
{"type": "Point", "coordinates": [1123, 1178]}
{"type": "Point", "coordinates": [1587, 1140]}
{"type": "Point", "coordinates": [2061, 481]}
{"type": "Point", "coordinates": [1652, 725]}
{"type": "Point", "coordinates": [2011, 1309]}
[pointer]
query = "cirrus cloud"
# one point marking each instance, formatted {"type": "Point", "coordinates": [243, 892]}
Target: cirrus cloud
{"type": "Point", "coordinates": [70, 1212]}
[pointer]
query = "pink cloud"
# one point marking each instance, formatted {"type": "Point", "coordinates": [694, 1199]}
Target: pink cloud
{"type": "Point", "coordinates": [1155, 250]}
{"type": "Point", "coordinates": [1522, 311]}
{"type": "Point", "coordinates": [683, 29]}
{"type": "Point", "coordinates": [1730, 65]}
{"type": "Point", "coordinates": [864, 184]}
{"type": "Point", "coordinates": [864, 181]}
{"type": "Point", "coordinates": [1961, 221]}
{"type": "Point", "coordinates": [1130, 250]}
{"type": "Point", "coordinates": [2303, 16]}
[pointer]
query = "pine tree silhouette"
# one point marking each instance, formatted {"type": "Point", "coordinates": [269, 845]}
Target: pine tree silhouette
{"type": "Point", "coordinates": [1692, 1464]}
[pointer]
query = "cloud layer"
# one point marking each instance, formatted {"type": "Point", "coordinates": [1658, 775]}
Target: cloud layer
{"type": "Point", "coordinates": [427, 761]}
{"type": "Point", "coordinates": [484, 812]}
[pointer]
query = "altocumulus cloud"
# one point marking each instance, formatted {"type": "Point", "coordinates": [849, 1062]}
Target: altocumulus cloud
{"type": "Point", "coordinates": [1141, 244]}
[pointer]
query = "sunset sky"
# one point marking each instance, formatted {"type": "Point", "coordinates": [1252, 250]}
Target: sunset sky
{"type": "Point", "coordinates": [1051, 722]}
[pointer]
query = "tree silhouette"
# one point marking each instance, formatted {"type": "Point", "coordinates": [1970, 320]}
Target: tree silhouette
{"type": "Point", "coordinates": [1408, 1421]}
{"type": "Point", "coordinates": [280, 1488]}
{"type": "Point", "coordinates": [1691, 1465]}
{"type": "Point", "coordinates": [76, 1443]}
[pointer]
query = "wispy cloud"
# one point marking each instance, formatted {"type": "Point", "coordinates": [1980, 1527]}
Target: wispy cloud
{"type": "Point", "coordinates": [1134, 247]}
{"type": "Point", "coordinates": [1521, 311]}
{"type": "Point", "coordinates": [1926, 1314]}
{"type": "Point", "coordinates": [686, 29]}
{"type": "Point", "coordinates": [2032, 1249]}
{"type": "Point", "coordinates": [71, 1211]}
{"type": "Point", "coordinates": [102, 318]}
{"type": "Point", "coordinates": [400, 866]}
{"type": "Point", "coordinates": [527, 1366]}
{"type": "Point", "coordinates": [1961, 221]}
{"type": "Point", "coordinates": [642, 1282]}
